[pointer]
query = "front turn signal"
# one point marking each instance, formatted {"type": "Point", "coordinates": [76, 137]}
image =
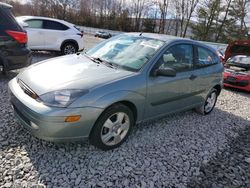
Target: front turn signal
{"type": "Point", "coordinates": [73, 118]}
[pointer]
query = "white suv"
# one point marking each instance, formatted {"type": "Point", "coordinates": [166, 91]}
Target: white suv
{"type": "Point", "coordinates": [52, 34]}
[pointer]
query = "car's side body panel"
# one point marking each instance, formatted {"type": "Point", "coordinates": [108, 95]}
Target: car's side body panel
{"type": "Point", "coordinates": [171, 94]}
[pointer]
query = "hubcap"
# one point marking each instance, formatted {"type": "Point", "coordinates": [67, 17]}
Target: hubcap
{"type": "Point", "coordinates": [69, 49]}
{"type": "Point", "coordinates": [115, 128]}
{"type": "Point", "coordinates": [210, 102]}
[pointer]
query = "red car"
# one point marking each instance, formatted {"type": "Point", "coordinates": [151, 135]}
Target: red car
{"type": "Point", "coordinates": [237, 65]}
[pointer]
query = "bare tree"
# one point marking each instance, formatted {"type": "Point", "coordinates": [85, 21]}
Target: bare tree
{"type": "Point", "coordinates": [138, 11]}
{"type": "Point", "coordinates": [191, 5]}
{"type": "Point", "coordinates": [163, 6]}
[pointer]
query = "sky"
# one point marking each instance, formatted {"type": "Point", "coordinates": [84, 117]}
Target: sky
{"type": "Point", "coordinates": [247, 19]}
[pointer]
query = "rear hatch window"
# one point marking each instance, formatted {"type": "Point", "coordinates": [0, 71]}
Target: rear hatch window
{"type": "Point", "coordinates": [7, 21]}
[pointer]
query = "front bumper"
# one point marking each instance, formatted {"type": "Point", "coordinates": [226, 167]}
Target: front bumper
{"type": "Point", "coordinates": [48, 123]}
{"type": "Point", "coordinates": [236, 81]}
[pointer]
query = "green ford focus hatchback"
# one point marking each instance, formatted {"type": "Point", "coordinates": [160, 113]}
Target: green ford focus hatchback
{"type": "Point", "coordinates": [102, 93]}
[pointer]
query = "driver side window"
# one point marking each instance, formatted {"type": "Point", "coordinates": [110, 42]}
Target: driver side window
{"type": "Point", "coordinates": [178, 57]}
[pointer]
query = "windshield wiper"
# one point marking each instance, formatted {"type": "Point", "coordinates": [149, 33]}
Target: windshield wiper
{"type": "Point", "coordinates": [98, 60]}
{"type": "Point", "coordinates": [109, 64]}
{"type": "Point", "coordinates": [92, 58]}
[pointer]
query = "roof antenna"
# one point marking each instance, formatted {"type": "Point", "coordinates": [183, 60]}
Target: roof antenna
{"type": "Point", "coordinates": [140, 34]}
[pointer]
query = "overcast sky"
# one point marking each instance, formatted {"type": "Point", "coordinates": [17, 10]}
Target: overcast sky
{"type": "Point", "coordinates": [247, 19]}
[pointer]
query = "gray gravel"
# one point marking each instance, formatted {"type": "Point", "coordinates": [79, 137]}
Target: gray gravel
{"type": "Point", "coordinates": [164, 152]}
{"type": "Point", "coordinates": [229, 168]}
{"type": "Point", "coordinates": [172, 151]}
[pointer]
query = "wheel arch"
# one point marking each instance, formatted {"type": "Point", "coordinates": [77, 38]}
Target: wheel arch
{"type": "Point", "coordinates": [127, 103]}
{"type": "Point", "coordinates": [130, 105]}
{"type": "Point", "coordinates": [218, 87]}
{"type": "Point", "coordinates": [69, 41]}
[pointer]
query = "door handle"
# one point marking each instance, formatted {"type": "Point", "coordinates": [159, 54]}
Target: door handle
{"type": "Point", "coordinates": [192, 77]}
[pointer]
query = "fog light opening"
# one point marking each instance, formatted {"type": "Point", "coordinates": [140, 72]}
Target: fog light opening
{"type": "Point", "coordinates": [73, 118]}
{"type": "Point", "coordinates": [33, 125]}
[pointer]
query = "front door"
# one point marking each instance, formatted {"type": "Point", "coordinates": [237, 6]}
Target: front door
{"type": "Point", "coordinates": [167, 94]}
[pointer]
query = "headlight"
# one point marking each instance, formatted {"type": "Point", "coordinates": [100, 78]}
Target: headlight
{"type": "Point", "coordinates": [62, 98]}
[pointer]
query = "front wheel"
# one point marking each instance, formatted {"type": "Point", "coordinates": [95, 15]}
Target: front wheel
{"type": "Point", "coordinates": [209, 104]}
{"type": "Point", "coordinates": [112, 127]}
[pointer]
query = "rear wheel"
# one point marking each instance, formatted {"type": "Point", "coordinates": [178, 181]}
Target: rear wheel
{"type": "Point", "coordinates": [209, 104]}
{"type": "Point", "coordinates": [69, 48]}
{"type": "Point", "coordinates": [112, 127]}
{"type": "Point", "coordinates": [3, 69]}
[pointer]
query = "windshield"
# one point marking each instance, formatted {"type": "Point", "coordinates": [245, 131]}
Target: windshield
{"type": "Point", "coordinates": [239, 59]}
{"type": "Point", "coordinates": [125, 51]}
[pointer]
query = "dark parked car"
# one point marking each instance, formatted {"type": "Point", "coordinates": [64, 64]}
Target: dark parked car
{"type": "Point", "coordinates": [14, 53]}
{"type": "Point", "coordinates": [103, 34]}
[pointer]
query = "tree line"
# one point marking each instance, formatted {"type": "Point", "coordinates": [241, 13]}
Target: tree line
{"type": "Point", "coordinates": [208, 20]}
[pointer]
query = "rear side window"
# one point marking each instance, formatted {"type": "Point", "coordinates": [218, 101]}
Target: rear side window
{"type": "Point", "coordinates": [37, 24]}
{"type": "Point", "coordinates": [54, 25]}
{"type": "Point", "coordinates": [206, 57]}
{"type": "Point", "coordinates": [7, 20]}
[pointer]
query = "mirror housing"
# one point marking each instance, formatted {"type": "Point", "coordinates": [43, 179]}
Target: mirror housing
{"type": "Point", "coordinates": [165, 72]}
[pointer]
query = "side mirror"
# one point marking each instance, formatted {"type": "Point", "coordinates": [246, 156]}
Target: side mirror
{"type": "Point", "coordinates": [165, 72]}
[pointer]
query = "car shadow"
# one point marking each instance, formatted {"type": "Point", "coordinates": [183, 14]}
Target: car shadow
{"type": "Point", "coordinates": [238, 91]}
{"type": "Point", "coordinates": [167, 144]}
{"type": "Point", "coordinates": [227, 168]}
{"type": "Point", "coordinates": [43, 55]}
{"type": "Point", "coordinates": [8, 76]}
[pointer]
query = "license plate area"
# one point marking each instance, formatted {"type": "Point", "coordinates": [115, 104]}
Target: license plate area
{"type": "Point", "coordinates": [231, 79]}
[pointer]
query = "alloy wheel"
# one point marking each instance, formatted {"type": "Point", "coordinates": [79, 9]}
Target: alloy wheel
{"type": "Point", "coordinates": [115, 128]}
{"type": "Point", "coordinates": [69, 49]}
{"type": "Point", "coordinates": [210, 102]}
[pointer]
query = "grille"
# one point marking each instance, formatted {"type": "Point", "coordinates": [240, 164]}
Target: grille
{"type": "Point", "coordinates": [242, 83]}
{"type": "Point", "coordinates": [27, 90]}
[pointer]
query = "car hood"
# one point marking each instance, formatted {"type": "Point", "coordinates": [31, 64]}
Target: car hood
{"type": "Point", "coordinates": [241, 47]}
{"type": "Point", "coordinates": [69, 72]}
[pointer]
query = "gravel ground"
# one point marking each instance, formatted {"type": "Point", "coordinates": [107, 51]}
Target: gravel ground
{"type": "Point", "coordinates": [229, 168]}
{"type": "Point", "coordinates": [180, 150]}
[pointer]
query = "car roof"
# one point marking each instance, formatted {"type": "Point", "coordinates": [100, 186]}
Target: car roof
{"type": "Point", "coordinates": [5, 5]}
{"type": "Point", "coordinates": [170, 39]}
{"type": "Point", "coordinates": [45, 18]}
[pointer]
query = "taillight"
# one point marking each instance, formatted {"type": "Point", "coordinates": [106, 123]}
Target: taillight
{"type": "Point", "coordinates": [81, 34]}
{"type": "Point", "coordinates": [20, 37]}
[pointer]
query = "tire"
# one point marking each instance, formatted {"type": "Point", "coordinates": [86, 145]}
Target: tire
{"type": "Point", "coordinates": [109, 132]}
{"type": "Point", "coordinates": [69, 48]}
{"type": "Point", "coordinates": [209, 103]}
{"type": "Point", "coordinates": [3, 70]}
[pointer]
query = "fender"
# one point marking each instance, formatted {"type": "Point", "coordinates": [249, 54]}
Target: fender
{"type": "Point", "coordinates": [69, 40]}
{"type": "Point", "coordinates": [129, 96]}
